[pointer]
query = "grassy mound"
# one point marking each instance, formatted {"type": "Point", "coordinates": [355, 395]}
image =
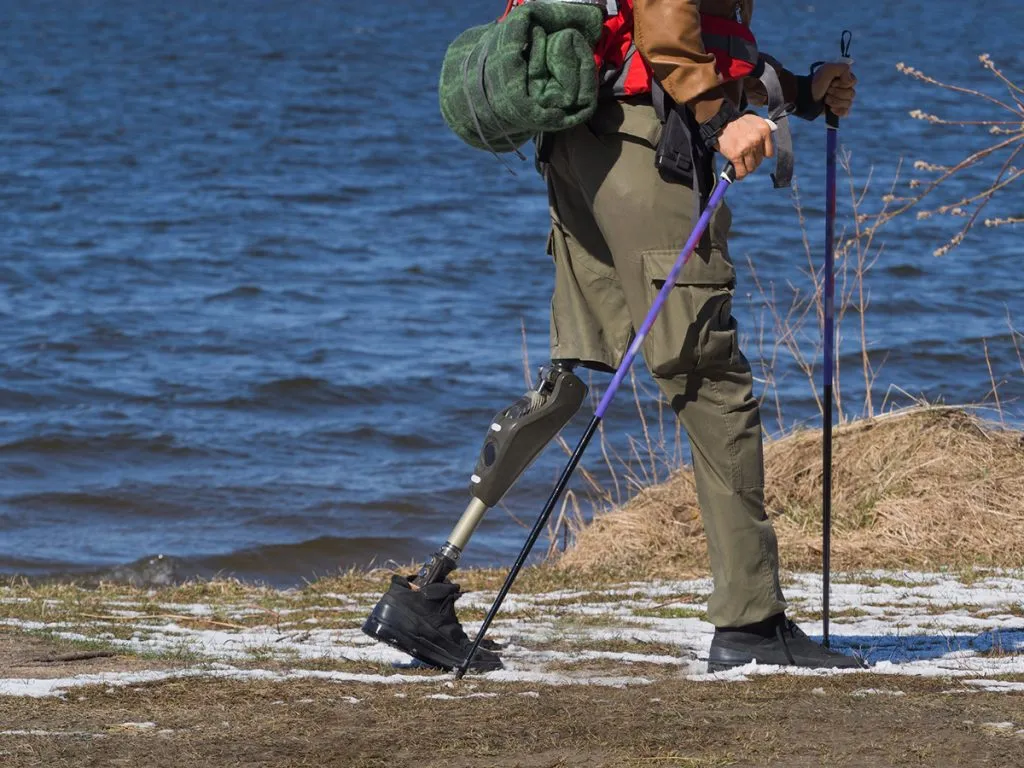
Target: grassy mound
{"type": "Point", "coordinates": [922, 488]}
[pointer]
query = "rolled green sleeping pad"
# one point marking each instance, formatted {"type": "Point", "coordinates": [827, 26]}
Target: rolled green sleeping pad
{"type": "Point", "coordinates": [504, 82]}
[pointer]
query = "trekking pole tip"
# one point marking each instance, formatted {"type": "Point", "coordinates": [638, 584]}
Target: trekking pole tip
{"type": "Point", "coordinates": [460, 671]}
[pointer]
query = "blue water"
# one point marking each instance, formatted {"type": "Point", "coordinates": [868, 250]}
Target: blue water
{"type": "Point", "coordinates": [258, 304]}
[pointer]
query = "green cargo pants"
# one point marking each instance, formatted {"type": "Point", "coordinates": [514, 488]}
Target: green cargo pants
{"type": "Point", "coordinates": [617, 228]}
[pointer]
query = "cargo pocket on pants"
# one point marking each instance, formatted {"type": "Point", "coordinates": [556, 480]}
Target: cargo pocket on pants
{"type": "Point", "coordinates": [695, 329]}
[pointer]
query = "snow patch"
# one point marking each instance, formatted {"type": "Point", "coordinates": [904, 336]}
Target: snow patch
{"type": "Point", "coordinates": [60, 685]}
{"type": "Point", "coordinates": [549, 678]}
{"type": "Point", "coordinates": [997, 686]}
{"type": "Point", "coordinates": [903, 623]}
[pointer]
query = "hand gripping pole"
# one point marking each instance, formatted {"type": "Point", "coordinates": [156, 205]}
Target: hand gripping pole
{"type": "Point", "coordinates": [726, 180]}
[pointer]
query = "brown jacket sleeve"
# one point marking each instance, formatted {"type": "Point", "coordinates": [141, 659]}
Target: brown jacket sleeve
{"type": "Point", "coordinates": [667, 34]}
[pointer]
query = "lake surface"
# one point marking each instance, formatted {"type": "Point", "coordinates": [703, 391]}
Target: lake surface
{"type": "Point", "coordinates": [258, 305]}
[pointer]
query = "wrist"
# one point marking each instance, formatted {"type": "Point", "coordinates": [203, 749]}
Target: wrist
{"type": "Point", "coordinates": [807, 107]}
{"type": "Point", "coordinates": [711, 129]}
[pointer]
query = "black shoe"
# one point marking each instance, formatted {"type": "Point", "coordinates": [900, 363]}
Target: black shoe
{"type": "Point", "coordinates": [776, 640]}
{"type": "Point", "coordinates": [422, 623]}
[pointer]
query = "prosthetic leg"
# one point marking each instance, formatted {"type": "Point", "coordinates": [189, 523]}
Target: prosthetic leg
{"type": "Point", "coordinates": [417, 614]}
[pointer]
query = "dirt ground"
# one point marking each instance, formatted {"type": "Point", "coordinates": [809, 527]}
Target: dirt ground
{"type": "Point", "coordinates": [861, 720]}
{"type": "Point", "coordinates": [604, 675]}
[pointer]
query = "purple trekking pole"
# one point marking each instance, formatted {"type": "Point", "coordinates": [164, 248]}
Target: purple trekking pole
{"type": "Point", "coordinates": [829, 331]}
{"type": "Point", "coordinates": [727, 178]}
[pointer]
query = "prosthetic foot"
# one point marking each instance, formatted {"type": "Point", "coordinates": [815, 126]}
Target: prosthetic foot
{"type": "Point", "coordinates": [422, 623]}
{"type": "Point", "coordinates": [417, 614]}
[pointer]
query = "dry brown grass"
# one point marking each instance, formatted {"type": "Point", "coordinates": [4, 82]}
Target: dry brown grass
{"type": "Point", "coordinates": [920, 488]}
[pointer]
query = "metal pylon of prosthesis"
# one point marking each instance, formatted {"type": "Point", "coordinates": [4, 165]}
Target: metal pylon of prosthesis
{"type": "Point", "coordinates": [516, 437]}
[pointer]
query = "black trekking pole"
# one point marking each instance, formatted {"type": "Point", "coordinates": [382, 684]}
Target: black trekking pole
{"type": "Point", "coordinates": [727, 178]}
{"type": "Point", "coordinates": [829, 288]}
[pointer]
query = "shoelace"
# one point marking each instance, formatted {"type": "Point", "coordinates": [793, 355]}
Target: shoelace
{"type": "Point", "coordinates": [792, 629]}
{"type": "Point", "coordinates": [789, 626]}
{"type": "Point", "coordinates": [459, 634]}
{"type": "Point", "coordinates": [448, 606]}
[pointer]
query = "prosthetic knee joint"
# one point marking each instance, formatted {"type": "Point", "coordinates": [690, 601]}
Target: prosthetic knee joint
{"type": "Point", "coordinates": [516, 437]}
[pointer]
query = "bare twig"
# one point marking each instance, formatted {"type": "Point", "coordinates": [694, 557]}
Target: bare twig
{"type": "Point", "coordinates": [169, 617]}
{"type": "Point", "coordinates": [972, 206]}
{"type": "Point", "coordinates": [992, 378]}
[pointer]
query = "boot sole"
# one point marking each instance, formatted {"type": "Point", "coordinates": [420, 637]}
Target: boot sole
{"type": "Point", "coordinates": [723, 659]}
{"type": "Point", "coordinates": [391, 625]}
{"type": "Point", "coordinates": [740, 659]}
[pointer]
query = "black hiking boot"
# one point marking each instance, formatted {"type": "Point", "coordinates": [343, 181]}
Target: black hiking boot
{"type": "Point", "coordinates": [422, 623]}
{"type": "Point", "coordinates": [776, 640]}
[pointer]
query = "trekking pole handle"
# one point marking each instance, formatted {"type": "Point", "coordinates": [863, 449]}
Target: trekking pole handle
{"type": "Point", "coordinates": [831, 119]}
{"type": "Point", "coordinates": [729, 173]}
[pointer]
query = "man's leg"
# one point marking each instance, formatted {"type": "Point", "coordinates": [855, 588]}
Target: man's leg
{"type": "Point", "coordinates": [645, 221]}
{"type": "Point", "coordinates": [721, 417]}
{"type": "Point", "coordinates": [692, 352]}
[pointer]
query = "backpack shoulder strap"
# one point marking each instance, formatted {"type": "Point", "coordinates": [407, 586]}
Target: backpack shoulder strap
{"type": "Point", "coordinates": [611, 7]}
{"type": "Point", "coordinates": [778, 112]}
